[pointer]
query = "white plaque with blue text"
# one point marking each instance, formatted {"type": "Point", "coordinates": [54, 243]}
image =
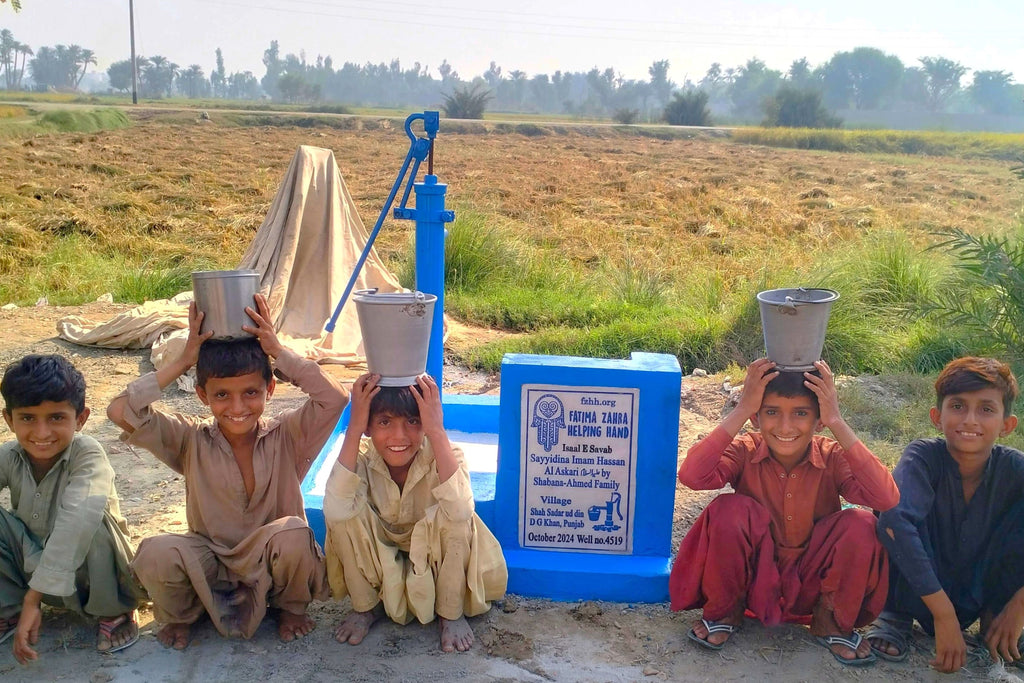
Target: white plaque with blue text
{"type": "Point", "coordinates": [578, 468]}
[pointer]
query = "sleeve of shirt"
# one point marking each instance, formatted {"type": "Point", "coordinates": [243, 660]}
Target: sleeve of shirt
{"type": "Point", "coordinates": [712, 462]}
{"type": "Point", "coordinates": [864, 480]}
{"type": "Point", "coordinates": [165, 436]}
{"type": "Point", "coordinates": [346, 492]}
{"type": "Point", "coordinates": [898, 527]}
{"type": "Point", "coordinates": [455, 496]}
{"type": "Point", "coordinates": [79, 515]}
{"type": "Point", "coordinates": [309, 426]}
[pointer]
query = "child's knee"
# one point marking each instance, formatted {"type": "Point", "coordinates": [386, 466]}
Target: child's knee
{"type": "Point", "coordinates": [857, 524]}
{"type": "Point", "coordinates": [734, 513]}
{"type": "Point", "coordinates": [159, 559]}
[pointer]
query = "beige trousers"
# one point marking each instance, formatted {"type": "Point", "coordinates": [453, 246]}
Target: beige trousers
{"type": "Point", "coordinates": [278, 565]}
{"type": "Point", "coordinates": [450, 569]}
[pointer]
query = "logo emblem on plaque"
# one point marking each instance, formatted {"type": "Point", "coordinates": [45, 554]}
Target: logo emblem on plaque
{"type": "Point", "coordinates": [549, 419]}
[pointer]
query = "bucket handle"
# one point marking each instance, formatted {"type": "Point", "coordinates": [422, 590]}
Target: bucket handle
{"type": "Point", "coordinates": [789, 307]}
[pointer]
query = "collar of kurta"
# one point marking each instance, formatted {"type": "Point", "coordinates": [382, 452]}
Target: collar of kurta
{"type": "Point", "coordinates": [813, 452]}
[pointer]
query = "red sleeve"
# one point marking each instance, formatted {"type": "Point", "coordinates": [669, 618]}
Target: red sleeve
{"type": "Point", "coordinates": [863, 480]}
{"type": "Point", "coordinates": [713, 462]}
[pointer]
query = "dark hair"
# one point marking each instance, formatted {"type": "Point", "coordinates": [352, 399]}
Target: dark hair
{"type": "Point", "coordinates": [397, 401]}
{"type": "Point", "coordinates": [791, 385]}
{"type": "Point", "coordinates": [38, 378]}
{"type": "Point", "coordinates": [231, 358]}
{"type": "Point", "coordinates": [971, 373]}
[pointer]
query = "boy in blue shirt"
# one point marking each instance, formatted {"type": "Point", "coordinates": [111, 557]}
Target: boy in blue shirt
{"type": "Point", "coordinates": [956, 539]}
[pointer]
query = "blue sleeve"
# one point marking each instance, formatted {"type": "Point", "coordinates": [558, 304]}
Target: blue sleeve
{"type": "Point", "coordinates": [899, 529]}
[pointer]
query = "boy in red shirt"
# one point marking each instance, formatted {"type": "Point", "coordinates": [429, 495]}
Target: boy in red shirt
{"type": "Point", "coordinates": [781, 546]}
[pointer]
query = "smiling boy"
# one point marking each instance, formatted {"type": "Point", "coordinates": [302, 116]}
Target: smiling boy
{"type": "Point", "coordinates": [781, 546]}
{"type": "Point", "coordinates": [401, 528]}
{"type": "Point", "coordinates": [248, 546]}
{"type": "Point", "coordinates": [64, 542]}
{"type": "Point", "coordinates": [956, 538]}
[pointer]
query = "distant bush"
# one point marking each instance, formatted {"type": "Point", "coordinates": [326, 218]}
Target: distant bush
{"type": "Point", "coordinates": [330, 109]}
{"type": "Point", "coordinates": [626, 116]}
{"type": "Point", "coordinates": [467, 103]}
{"type": "Point", "coordinates": [794, 108]}
{"type": "Point", "coordinates": [688, 109]}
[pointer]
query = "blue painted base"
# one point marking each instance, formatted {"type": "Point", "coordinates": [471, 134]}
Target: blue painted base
{"type": "Point", "coordinates": [615, 578]}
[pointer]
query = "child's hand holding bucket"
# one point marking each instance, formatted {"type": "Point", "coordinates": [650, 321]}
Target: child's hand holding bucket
{"type": "Point", "coordinates": [263, 330]}
{"type": "Point", "coordinates": [428, 398]}
{"type": "Point", "coordinates": [190, 354]}
{"type": "Point", "coordinates": [363, 390]}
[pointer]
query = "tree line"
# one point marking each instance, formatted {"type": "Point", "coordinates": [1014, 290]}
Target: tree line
{"type": "Point", "coordinates": [864, 78]}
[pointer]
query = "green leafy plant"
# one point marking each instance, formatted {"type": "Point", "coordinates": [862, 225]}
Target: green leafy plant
{"type": "Point", "coordinates": [467, 103]}
{"type": "Point", "coordinates": [688, 109]}
{"type": "Point", "coordinates": [987, 295]}
{"type": "Point", "coordinates": [794, 108]}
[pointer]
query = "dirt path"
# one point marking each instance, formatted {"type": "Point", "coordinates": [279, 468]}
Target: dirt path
{"type": "Point", "coordinates": [519, 640]}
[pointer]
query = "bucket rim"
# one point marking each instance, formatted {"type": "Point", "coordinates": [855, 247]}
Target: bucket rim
{"type": "Point", "coordinates": [372, 296]}
{"type": "Point", "coordinates": [765, 296]}
{"type": "Point", "coordinates": [223, 274]}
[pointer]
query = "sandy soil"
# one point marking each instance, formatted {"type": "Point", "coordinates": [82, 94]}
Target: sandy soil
{"type": "Point", "coordinates": [521, 639]}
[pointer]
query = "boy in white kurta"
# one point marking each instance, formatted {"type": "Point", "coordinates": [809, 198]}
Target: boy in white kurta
{"type": "Point", "coordinates": [401, 529]}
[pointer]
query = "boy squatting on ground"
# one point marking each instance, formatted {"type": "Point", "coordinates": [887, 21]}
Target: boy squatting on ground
{"type": "Point", "coordinates": [401, 528]}
{"type": "Point", "coordinates": [65, 542]}
{"type": "Point", "coordinates": [956, 539]}
{"type": "Point", "coordinates": [780, 546]}
{"type": "Point", "coordinates": [248, 542]}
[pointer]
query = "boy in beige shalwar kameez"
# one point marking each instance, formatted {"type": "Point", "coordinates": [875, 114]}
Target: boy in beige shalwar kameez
{"type": "Point", "coordinates": [401, 529]}
{"type": "Point", "coordinates": [248, 544]}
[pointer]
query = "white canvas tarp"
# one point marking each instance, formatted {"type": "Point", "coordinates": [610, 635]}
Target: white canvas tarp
{"type": "Point", "coordinates": [305, 252]}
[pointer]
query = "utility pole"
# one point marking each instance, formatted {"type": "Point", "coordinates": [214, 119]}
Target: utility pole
{"type": "Point", "coordinates": [131, 22]}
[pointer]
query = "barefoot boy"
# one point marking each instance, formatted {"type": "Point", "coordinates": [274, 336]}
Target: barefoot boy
{"type": "Point", "coordinates": [781, 546]}
{"type": "Point", "coordinates": [248, 542]}
{"type": "Point", "coordinates": [64, 542]}
{"type": "Point", "coordinates": [956, 538]}
{"type": "Point", "coordinates": [401, 529]}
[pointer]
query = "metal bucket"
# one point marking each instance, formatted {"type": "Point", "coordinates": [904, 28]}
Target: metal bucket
{"type": "Point", "coordinates": [222, 296]}
{"type": "Point", "coordinates": [794, 323]}
{"type": "Point", "coordinates": [396, 333]}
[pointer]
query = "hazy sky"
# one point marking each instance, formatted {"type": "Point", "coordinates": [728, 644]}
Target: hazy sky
{"type": "Point", "coordinates": [535, 36]}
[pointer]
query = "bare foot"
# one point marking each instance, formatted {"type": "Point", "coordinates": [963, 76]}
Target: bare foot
{"type": "Point", "coordinates": [292, 626]}
{"type": "Point", "coordinates": [455, 634]}
{"type": "Point", "coordinates": [734, 619]}
{"type": "Point", "coordinates": [356, 626]}
{"type": "Point", "coordinates": [880, 644]}
{"type": "Point", "coordinates": [175, 635]}
{"type": "Point", "coordinates": [824, 624]}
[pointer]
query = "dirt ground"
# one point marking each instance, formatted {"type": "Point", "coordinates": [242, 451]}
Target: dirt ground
{"type": "Point", "coordinates": [520, 639]}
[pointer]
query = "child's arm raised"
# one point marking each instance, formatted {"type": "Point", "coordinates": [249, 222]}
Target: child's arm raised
{"type": "Point", "coordinates": [346, 491]}
{"type": "Point", "coordinates": [869, 482]}
{"type": "Point", "coordinates": [170, 372]}
{"type": "Point", "coordinates": [700, 470]}
{"type": "Point", "coordinates": [363, 391]}
{"type": "Point", "coordinates": [428, 398]}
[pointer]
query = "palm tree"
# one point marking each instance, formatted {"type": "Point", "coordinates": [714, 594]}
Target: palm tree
{"type": "Point", "coordinates": [25, 51]}
{"type": "Point", "coordinates": [85, 58]}
{"type": "Point", "coordinates": [7, 43]}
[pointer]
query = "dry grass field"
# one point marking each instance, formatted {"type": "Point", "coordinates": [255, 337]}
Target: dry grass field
{"type": "Point", "coordinates": [609, 227]}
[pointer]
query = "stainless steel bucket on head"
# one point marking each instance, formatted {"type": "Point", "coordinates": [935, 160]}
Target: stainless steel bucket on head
{"type": "Point", "coordinates": [396, 333]}
{"type": "Point", "coordinates": [794, 323]}
{"type": "Point", "coordinates": [222, 296]}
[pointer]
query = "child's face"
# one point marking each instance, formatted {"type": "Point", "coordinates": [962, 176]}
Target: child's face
{"type": "Point", "coordinates": [972, 421]}
{"type": "Point", "coordinates": [787, 425]}
{"type": "Point", "coordinates": [237, 402]}
{"type": "Point", "coordinates": [45, 430]}
{"type": "Point", "coordinates": [396, 438]}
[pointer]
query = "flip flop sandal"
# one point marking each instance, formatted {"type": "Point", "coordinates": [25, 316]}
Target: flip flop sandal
{"type": "Point", "coordinates": [108, 626]}
{"type": "Point", "coordinates": [712, 627]}
{"type": "Point", "coordinates": [7, 627]}
{"type": "Point", "coordinates": [895, 632]}
{"type": "Point", "coordinates": [851, 641]}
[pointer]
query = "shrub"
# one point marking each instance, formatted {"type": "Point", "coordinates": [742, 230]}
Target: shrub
{"type": "Point", "coordinates": [626, 116]}
{"type": "Point", "coordinates": [467, 103]}
{"type": "Point", "coordinates": [794, 108]}
{"type": "Point", "coordinates": [688, 109]}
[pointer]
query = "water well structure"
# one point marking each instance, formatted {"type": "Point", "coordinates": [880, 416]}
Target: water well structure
{"type": "Point", "coordinates": [573, 465]}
